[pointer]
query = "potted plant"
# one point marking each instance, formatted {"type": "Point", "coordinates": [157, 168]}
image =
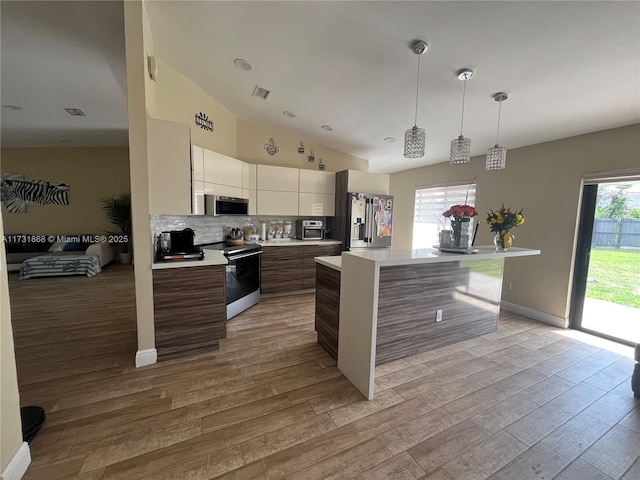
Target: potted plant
{"type": "Point", "coordinates": [118, 212]}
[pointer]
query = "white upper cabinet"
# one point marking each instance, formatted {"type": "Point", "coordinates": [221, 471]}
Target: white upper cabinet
{"type": "Point", "coordinates": [249, 176]}
{"type": "Point", "coordinates": [222, 190]}
{"type": "Point", "coordinates": [197, 162]}
{"type": "Point", "coordinates": [316, 193]}
{"type": "Point", "coordinates": [222, 170]}
{"type": "Point", "coordinates": [249, 186]}
{"type": "Point", "coordinates": [316, 204]}
{"type": "Point", "coordinates": [277, 203]}
{"type": "Point", "coordinates": [198, 197]}
{"type": "Point", "coordinates": [277, 192]}
{"type": "Point", "coordinates": [317, 181]}
{"type": "Point", "coordinates": [169, 150]}
{"type": "Point", "coordinates": [278, 179]}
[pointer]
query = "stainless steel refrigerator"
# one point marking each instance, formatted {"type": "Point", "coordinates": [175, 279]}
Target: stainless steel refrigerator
{"type": "Point", "coordinates": [369, 220]}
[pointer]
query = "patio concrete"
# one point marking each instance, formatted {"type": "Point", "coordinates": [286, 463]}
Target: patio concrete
{"type": "Point", "coordinates": [612, 319]}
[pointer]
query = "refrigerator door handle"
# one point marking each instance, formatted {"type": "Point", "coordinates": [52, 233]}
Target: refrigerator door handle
{"type": "Point", "coordinates": [369, 221]}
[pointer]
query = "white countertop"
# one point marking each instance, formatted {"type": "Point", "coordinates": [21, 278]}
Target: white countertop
{"type": "Point", "coordinates": [388, 257]}
{"type": "Point", "coordinates": [332, 262]}
{"type": "Point", "coordinates": [296, 242]}
{"type": "Point", "coordinates": [211, 257]}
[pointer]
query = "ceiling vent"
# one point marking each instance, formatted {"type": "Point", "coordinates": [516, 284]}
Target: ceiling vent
{"type": "Point", "coordinates": [75, 112]}
{"type": "Point", "coordinates": [263, 93]}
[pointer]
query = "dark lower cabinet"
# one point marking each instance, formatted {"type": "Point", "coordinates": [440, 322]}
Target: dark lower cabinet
{"type": "Point", "coordinates": [281, 269]}
{"type": "Point", "coordinates": [328, 308]}
{"type": "Point", "coordinates": [291, 268]}
{"type": "Point", "coordinates": [190, 310]}
{"type": "Point", "coordinates": [309, 264]}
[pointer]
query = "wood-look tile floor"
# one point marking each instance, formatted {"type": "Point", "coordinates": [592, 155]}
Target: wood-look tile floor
{"type": "Point", "coordinates": [527, 402]}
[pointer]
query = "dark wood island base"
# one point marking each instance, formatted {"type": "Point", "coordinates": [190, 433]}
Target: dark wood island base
{"type": "Point", "coordinates": [328, 308]}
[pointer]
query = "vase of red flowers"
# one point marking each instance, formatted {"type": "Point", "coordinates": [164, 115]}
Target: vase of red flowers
{"type": "Point", "coordinates": [461, 218]}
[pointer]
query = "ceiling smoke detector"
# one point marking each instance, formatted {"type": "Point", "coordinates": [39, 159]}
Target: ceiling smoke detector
{"type": "Point", "coordinates": [74, 112]}
{"type": "Point", "coordinates": [263, 93]}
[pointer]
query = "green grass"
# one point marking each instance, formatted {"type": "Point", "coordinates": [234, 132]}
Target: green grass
{"type": "Point", "coordinates": [614, 276]}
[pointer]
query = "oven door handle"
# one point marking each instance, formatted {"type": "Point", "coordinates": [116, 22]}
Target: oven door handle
{"type": "Point", "coordinates": [238, 257]}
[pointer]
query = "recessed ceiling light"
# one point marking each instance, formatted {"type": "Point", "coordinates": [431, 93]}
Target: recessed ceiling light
{"type": "Point", "coordinates": [260, 92]}
{"type": "Point", "coordinates": [15, 108]}
{"type": "Point", "coordinates": [74, 112]}
{"type": "Point", "coordinates": [327, 128]}
{"type": "Point", "coordinates": [242, 64]}
{"type": "Point", "coordinates": [289, 114]}
{"type": "Point", "coordinates": [390, 139]}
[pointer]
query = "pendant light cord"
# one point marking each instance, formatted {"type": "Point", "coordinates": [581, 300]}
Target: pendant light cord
{"type": "Point", "coordinates": [498, 132]}
{"type": "Point", "coordinates": [415, 120]}
{"type": "Point", "coordinates": [464, 91]}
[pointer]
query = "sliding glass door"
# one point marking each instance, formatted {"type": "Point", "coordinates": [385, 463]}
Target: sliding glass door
{"type": "Point", "coordinates": [606, 287]}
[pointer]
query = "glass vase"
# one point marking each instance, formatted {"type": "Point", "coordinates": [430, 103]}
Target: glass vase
{"type": "Point", "coordinates": [461, 232]}
{"type": "Point", "coordinates": [503, 241]}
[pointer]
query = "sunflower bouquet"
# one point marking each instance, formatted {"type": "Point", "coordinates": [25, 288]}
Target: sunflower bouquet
{"type": "Point", "coordinates": [500, 222]}
{"type": "Point", "coordinates": [503, 220]}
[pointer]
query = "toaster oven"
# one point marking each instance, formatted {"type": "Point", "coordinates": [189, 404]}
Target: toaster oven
{"type": "Point", "coordinates": [309, 229]}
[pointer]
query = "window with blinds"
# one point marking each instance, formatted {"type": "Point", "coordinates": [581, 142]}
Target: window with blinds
{"type": "Point", "coordinates": [429, 205]}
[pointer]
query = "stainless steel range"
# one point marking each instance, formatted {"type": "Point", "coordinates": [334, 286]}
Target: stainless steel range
{"type": "Point", "coordinates": [243, 275]}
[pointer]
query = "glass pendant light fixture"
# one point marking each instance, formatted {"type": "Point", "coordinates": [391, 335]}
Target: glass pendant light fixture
{"type": "Point", "coordinates": [461, 146]}
{"type": "Point", "coordinates": [414, 138]}
{"type": "Point", "coordinates": [497, 155]}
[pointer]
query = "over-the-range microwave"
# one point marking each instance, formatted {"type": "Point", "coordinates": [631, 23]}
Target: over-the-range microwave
{"type": "Point", "coordinates": [220, 205]}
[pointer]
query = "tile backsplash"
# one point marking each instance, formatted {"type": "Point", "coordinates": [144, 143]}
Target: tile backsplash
{"type": "Point", "coordinates": [210, 229]}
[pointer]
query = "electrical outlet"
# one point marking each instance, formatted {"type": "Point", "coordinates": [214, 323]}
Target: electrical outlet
{"type": "Point", "coordinates": [509, 285]}
{"type": "Point", "coordinates": [438, 315]}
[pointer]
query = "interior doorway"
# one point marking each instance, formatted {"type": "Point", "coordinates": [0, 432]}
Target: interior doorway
{"type": "Point", "coordinates": [606, 288]}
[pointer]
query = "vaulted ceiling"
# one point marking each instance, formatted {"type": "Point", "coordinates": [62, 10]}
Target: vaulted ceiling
{"type": "Point", "coordinates": [570, 68]}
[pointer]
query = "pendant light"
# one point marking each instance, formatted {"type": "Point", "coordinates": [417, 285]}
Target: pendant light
{"type": "Point", "coordinates": [414, 138]}
{"type": "Point", "coordinates": [461, 146]}
{"type": "Point", "coordinates": [497, 155]}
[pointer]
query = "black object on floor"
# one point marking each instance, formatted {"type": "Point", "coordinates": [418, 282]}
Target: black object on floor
{"type": "Point", "coordinates": [635, 378]}
{"type": "Point", "coordinates": [32, 420]}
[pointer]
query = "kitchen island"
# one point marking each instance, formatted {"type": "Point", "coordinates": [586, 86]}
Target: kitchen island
{"type": "Point", "coordinates": [396, 303]}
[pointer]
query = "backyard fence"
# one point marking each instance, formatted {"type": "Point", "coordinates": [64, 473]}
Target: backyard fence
{"type": "Point", "coordinates": [608, 232]}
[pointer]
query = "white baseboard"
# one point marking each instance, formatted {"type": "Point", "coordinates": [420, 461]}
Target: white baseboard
{"type": "Point", "coordinates": [534, 314]}
{"type": "Point", "coordinates": [19, 463]}
{"type": "Point", "coordinates": [146, 357]}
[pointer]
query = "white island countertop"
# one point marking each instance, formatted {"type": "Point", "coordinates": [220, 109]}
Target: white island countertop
{"type": "Point", "coordinates": [385, 257]}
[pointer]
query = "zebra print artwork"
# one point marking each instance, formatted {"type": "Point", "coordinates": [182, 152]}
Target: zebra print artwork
{"type": "Point", "coordinates": [16, 192]}
{"type": "Point", "coordinates": [57, 194]}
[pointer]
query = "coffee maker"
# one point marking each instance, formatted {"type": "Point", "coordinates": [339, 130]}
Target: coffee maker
{"type": "Point", "coordinates": [177, 245]}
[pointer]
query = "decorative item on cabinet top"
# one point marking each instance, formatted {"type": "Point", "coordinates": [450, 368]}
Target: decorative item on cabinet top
{"type": "Point", "coordinates": [301, 147]}
{"type": "Point", "coordinates": [271, 147]}
{"type": "Point", "coordinates": [202, 121]}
